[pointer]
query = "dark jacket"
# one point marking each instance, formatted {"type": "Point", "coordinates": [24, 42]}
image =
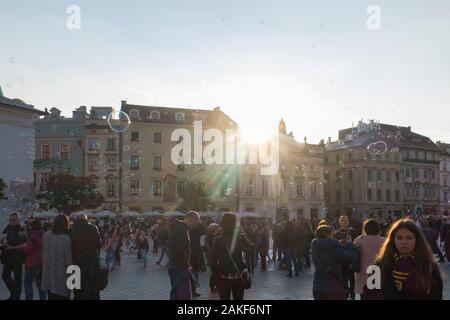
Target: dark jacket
{"type": "Point", "coordinates": [263, 240]}
{"type": "Point", "coordinates": [86, 244]}
{"type": "Point", "coordinates": [389, 290]}
{"type": "Point", "coordinates": [194, 236]}
{"type": "Point", "coordinates": [179, 245]}
{"type": "Point", "coordinates": [15, 236]}
{"type": "Point", "coordinates": [431, 235]}
{"type": "Point", "coordinates": [221, 261]}
{"type": "Point", "coordinates": [289, 239]}
{"type": "Point", "coordinates": [328, 269]}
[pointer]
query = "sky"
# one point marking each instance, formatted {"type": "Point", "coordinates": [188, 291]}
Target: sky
{"type": "Point", "coordinates": [316, 64]}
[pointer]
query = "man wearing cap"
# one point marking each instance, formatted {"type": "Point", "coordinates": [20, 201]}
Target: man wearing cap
{"type": "Point", "coordinates": [86, 244]}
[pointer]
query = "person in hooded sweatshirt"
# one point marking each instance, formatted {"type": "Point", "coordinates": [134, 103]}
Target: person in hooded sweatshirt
{"type": "Point", "coordinates": [329, 257]}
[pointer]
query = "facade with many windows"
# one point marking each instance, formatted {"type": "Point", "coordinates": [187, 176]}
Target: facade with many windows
{"type": "Point", "coordinates": [59, 146]}
{"type": "Point", "coordinates": [379, 169]}
{"type": "Point", "coordinates": [295, 191]}
{"type": "Point", "coordinates": [150, 179]}
{"type": "Point", "coordinates": [444, 178]}
{"type": "Point", "coordinates": [101, 160]}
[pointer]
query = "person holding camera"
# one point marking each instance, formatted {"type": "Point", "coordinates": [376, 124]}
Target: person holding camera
{"type": "Point", "coordinates": [330, 257]}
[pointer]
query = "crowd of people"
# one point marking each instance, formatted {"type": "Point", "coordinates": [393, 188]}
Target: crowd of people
{"type": "Point", "coordinates": [340, 250]}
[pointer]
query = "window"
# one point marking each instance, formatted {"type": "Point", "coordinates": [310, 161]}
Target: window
{"type": "Point", "coordinates": [111, 146]}
{"type": "Point", "coordinates": [350, 195]}
{"type": "Point", "coordinates": [134, 187]}
{"type": "Point", "coordinates": [369, 194]}
{"type": "Point", "coordinates": [433, 191]}
{"type": "Point", "coordinates": [426, 191]}
{"type": "Point", "coordinates": [338, 196]}
{"type": "Point", "coordinates": [250, 187]}
{"type": "Point", "coordinates": [111, 190]}
{"type": "Point", "coordinates": [180, 187]}
{"type": "Point", "coordinates": [350, 175]}
{"type": "Point", "coordinates": [369, 175]}
{"type": "Point", "coordinates": [445, 196]}
{"type": "Point", "coordinates": [64, 152]}
{"type": "Point", "coordinates": [397, 195]}
{"type": "Point", "coordinates": [154, 115]}
{"type": "Point", "coordinates": [46, 152]}
{"type": "Point", "coordinates": [157, 187]}
{"type": "Point", "coordinates": [111, 163]}
{"type": "Point", "coordinates": [265, 188]}
{"type": "Point", "coordinates": [313, 188]}
{"type": "Point", "coordinates": [338, 176]}
{"type": "Point", "coordinates": [408, 190]}
{"type": "Point", "coordinates": [157, 162]}
{"type": "Point", "coordinates": [426, 155]}
{"type": "Point", "coordinates": [350, 156]}
{"type": "Point", "coordinates": [179, 116]}
{"type": "Point", "coordinates": [397, 176]}
{"type": "Point", "coordinates": [388, 176]}
{"type": "Point", "coordinates": [379, 175]}
{"type": "Point", "coordinates": [338, 158]}
{"type": "Point", "coordinates": [444, 166]}
{"type": "Point", "coordinates": [425, 174]}
{"type": "Point", "coordinates": [134, 114]}
{"type": "Point", "coordinates": [388, 195]}
{"type": "Point", "coordinates": [416, 173]}
{"type": "Point", "coordinates": [134, 136]}
{"type": "Point", "coordinates": [417, 192]}
{"type": "Point", "coordinates": [299, 212]}
{"type": "Point", "coordinates": [417, 154]}
{"type": "Point", "coordinates": [94, 144]}
{"type": "Point", "coordinates": [433, 174]}
{"type": "Point", "coordinates": [378, 195]}
{"type": "Point", "coordinates": [134, 162]}
{"type": "Point", "coordinates": [93, 163]}
{"type": "Point", "coordinates": [156, 137]}
{"type": "Point", "coordinates": [299, 188]}
{"type": "Point", "coordinates": [408, 173]}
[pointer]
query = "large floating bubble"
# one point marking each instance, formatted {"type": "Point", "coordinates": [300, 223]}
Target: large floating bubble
{"type": "Point", "coordinates": [377, 148]}
{"type": "Point", "coordinates": [119, 121]}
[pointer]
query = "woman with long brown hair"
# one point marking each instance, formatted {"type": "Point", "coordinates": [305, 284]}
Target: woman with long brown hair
{"type": "Point", "coordinates": [408, 268]}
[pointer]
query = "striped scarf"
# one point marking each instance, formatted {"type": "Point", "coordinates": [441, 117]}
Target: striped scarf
{"type": "Point", "coordinates": [403, 273]}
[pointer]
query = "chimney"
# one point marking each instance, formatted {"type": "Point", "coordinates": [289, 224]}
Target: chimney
{"type": "Point", "coordinates": [329, 139]}
{"type": "Point", "coordinates": [124, 104]}
{"type": "Point", "coordinates": [1, 92]}
{"type": "Point", "coordinates": [216, 109]}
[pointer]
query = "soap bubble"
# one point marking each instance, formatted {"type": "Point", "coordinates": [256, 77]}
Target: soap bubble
{"type": "Point", "coordinates": [377, 148]}
{"type": "Point", "coordinates": [119, 121]}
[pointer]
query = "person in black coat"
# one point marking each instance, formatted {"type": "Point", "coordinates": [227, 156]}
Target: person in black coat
{"type": "Point", "coordinates": [227, 263]}
{"type": "Point", "coordinates": [290, 248]}
{"type": "Point", "coordinates": [86, 244]}
{"type": "Point", "coordinates": [13, 259]}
